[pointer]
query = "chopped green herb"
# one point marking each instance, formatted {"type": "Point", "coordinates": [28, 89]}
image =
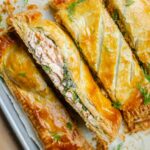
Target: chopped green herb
{"type": "Point", "coordinates": [115, 15]}
{"type": "Point", "coordinates": [71, 8]}
{"type": "Point", "coordinates": [1, 18]}
{"type": "Point", "coordinates": [80, 1]}
{"type": "Point", "coordinates": [116, 104]}
{"type": "Point", "coordinates": [22, 74]}
{"type": "Point", "coordinates": [66, 73]}
{"type": "Point", "coordinates": [148, 66]}
{"type": "Point", "coordinates": [38, 100]}
{"type": "Point", "coordinates": [147, 76]}
{"type": "Point", "coordinates": [78, 45]}
{"type": "Point", "coordinates": [67, 84]}
{"type": "Point", "coordinates": [46, 68]}
{"type": "Point", "coordinates": [56, 137]}
{"type": "Point", "coordinates": [119, 146]}
{"type": "Point", "coordinates": [40, 28]}
{"type": "Point", "coordinates": [145, 94]}
{"type": "Point", "coordinates": [84, 108]}
{"type": "Point", "coordinates": [38, 42]}
{"type": "Point", "coordinates": [107, 49]}
{"type": "Point", "coordinates": [147, 100]}
{"type": "Point", "coordinates": [129, 2]}
{"type": "Point", "coordinates": [67, 81]}
{"type": "Point", "coordinates": [75, 97]}
{"type": "Point", "coordinates": [25, 1]}
{"type": "Point", "coordinates": [69, 125]}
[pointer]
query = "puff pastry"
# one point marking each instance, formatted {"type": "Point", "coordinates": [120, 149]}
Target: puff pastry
{"type": "Point", "coordinates": [109, 56]}
{"type": "Point", "coordinates": [133, 18]}
{"type": "Point", "coordinates": [50, 119]}
{"type": "Point", "coordinates": [60, 59]}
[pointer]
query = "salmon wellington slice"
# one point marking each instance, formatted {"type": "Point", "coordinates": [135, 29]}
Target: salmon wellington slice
{"type": "Point", "coordinates": [109, 56]}
{"type": "Point", "coordinates": [133, 18]}
{"type": "Point", "coordinates": [60, 59]}
{"type": "Point", "coordinates": [52, 123]}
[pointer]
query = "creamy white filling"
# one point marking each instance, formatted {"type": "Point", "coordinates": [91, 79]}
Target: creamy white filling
{"type": "Point", "coordinates": [47, 53]}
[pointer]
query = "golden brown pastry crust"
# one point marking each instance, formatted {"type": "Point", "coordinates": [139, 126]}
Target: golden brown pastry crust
{"type": "Point", "coordinates": [106, 52]}
{"type": "Point", "coordinates": [138, 119]}
{"type": "Point", "coordinates": [46, 113]}
{"type": "Point", "coordinates": [109, 118]}
{"type": "Point", "coordinates": [133, 20]}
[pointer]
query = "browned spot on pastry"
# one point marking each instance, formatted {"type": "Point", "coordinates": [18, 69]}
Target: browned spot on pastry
{"type": "Point", "coordinates": [5, 42]}
{"type": "Point", "coordinates": [138, 118]}
{"type": "Point", "coordinates": [32, 6]}
{"type": "Point", "coordinates": [60, 1]}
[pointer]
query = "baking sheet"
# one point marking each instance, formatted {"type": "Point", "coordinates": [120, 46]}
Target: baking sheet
{"type": "Point", "coordinates": [22, 126]}
{"type": "Point", "coordinates": [18, 121]}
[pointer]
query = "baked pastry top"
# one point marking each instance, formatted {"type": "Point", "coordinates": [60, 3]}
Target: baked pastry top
{"type": "Point", "coordinates": [109, 56]}
{"type": "Point", "coordinates": [48, 116]}
{"type": "Point", "coordinates": [54, 50]}
{"type": "Point", "coordinates": [134, 21]}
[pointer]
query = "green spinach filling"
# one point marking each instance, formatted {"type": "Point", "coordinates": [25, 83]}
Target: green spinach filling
{"type": "Point", "coordinates": [69, 86]}
{"type": "Point", "coordinates": [67, 81]}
